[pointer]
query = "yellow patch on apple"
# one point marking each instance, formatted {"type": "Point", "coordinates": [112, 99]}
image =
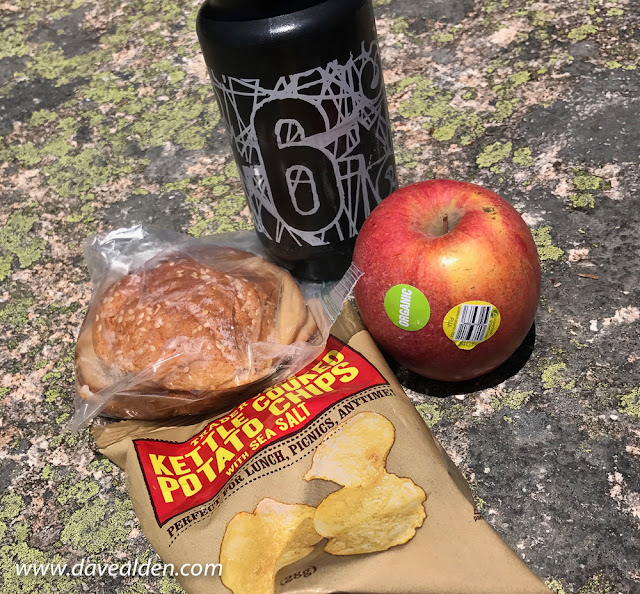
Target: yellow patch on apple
{"type": "Point", "coordinates": [470, 323]}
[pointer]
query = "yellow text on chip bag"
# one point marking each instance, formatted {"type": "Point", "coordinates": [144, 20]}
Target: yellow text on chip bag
{"type": "Point", "coordinates": [188, 472]}
{"type": "Point", "coordinates": [229, 440]}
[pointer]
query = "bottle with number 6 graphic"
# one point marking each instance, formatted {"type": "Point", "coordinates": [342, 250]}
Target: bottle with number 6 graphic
{"type": "Point", "coordinates": [300, 89]}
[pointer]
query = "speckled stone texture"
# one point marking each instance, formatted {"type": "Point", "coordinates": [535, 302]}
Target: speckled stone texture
{"type": "Point", "coordinates": [107, 118]}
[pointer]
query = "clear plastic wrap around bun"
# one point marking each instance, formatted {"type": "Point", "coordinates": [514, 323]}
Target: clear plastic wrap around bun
{"type": "Point", "coordinates": [180, 326]}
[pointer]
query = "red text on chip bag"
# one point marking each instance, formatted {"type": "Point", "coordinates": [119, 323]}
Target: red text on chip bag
{"type": "Point", "coordinates": [181, 476]}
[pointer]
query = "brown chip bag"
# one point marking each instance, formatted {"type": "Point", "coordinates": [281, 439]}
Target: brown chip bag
{"type": "Point", "coordinates": [327, 482]}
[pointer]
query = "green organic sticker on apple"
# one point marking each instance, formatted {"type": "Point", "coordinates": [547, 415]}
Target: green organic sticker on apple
{"type": "Point", "coordinates": [407, 307]}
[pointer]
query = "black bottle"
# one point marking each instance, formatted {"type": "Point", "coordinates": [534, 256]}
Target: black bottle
{"type": "Point", "coordinates": [299, 84]}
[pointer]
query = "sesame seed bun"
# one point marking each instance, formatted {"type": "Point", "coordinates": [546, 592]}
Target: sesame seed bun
{"type": "Point", "coordinates": [177, 334]}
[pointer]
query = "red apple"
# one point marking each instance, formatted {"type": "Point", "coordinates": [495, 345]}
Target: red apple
{"type": "Point", "coordinates": [472, 278]}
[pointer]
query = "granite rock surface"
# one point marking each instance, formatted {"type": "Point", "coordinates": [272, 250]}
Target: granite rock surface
{"type": "Point", "coordinates": [107, 118]}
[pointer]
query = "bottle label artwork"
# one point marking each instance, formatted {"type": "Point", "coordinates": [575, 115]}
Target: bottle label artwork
{"type": "Point", "coordinates": [313, 148]}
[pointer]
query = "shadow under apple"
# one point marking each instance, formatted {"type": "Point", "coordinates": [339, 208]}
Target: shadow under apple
{"type": "Point", "coordinates": [441, 389]}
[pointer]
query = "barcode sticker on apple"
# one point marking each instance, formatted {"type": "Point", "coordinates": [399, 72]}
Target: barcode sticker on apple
{"type": "Point", "coordinates": [471, 323]}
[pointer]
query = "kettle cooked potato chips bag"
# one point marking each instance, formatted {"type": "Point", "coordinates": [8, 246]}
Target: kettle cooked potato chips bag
{"type": "Point", "coordinates": [327, 482]}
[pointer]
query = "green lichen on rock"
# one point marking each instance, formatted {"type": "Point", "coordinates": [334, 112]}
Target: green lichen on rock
{"type": "Point", "coordinates": [231, 170]}
{"type": "Point", "coordinates": [65, 437]}
{"type": "Point", "coordinates": [61, 419]}
{"type": "Point", "coordinates": [98, 526]}
{"type": "Point", "coordinates": [400, 25]}
{"type": "Point", "coordinates": [16, 240]}
{"type": "Point", "coordinates": [523, 157]}
{"type": "Point", "coordinates": [510, 399]}
{"type": "Point", "coordinates": [213, 182]}
{"type": "Point", "coordinates": [48, 472]}
{"type": "Point", "coordinates": [5, 266]}
{"type": "Point", "coordinates": [13, 42]}
{"type": "Point", "coordinates": [428, 101]}
{"type": "Point", "coordinates": [443, 37]}
{"type": "Point", "coordinates": [555, 586]}
{"type": "Point", "coordinates": [227, 216]}
{"type": "Point", "coordinates": [552, 375]}
{"type": "Point", "coordinates": [176, 121]}
{"type": "Point", "coordinates": [505, 108]}
{"type": "Point", "coordinates": [581, 33]}
{"type": "Point", "coordinates": [114, 110]}
{"type": "Point", "coordinates": [50, 63]}
{"type": "Point", "coordinates": [167, 585]}
{"type": "Point", "coordinates": [546, 249]}
{"type": "Point", "coordinates": [11, 505]}
{"type": "Point", "coordinates": [106, 88]}
{"type": "Point", "coordinates": [494, 153]}
{"type": "Point", "coordinates": [597, 584]}
{"type": "Point", "coordinates": [446, 132]}
{"type": "Point", "coordinates": [491, 6]}
{"type": "Point", "coordinates": [200, 228]}
{"type": "Point", "coordinates": [430, 413]}
{"type": "Point", "coordinates": [459, 412]}
{"type": "Point", "coordinates": [630, 403]}
{"type": "Point", "coordinates": [174, 73]}
{"type": "Point", "coordinates": [14, 314]}
{"type": "Point", "coordinates": [82, 491]}
{"type": "Point", "coordinates": [58, 147]}
{"type": "Point", "coordinates": [405, 158]}
{"type": "Point", "coordinates": [76, 173]}
{"type": "Point", "coordinates": [469, 94]}
{"type": "Point", "coordinates": [179, 186]}
{"type": "Point", "coordinates": [479, 502]}
{"type": "Point", "coordinates": [227, 211]}
{"type": "Point", "coordinates": [21, 532]}
{"type": "Point", "coordinates": [518, 78]}
{"type": "Point", "coordinates": [84, 215]}
{"type": "Point", "coordinates": [20, 552]}
{"type": "Point", "coordinates": [42, 116]}
{"type": "Point", "coordinates": [26, 153]}
{"type": "Point", "coordinates": [582, 200]}
{"type": "Point", "coordinates": [584, 181]}
{"type": "Point", "coordinates": [101, 465]}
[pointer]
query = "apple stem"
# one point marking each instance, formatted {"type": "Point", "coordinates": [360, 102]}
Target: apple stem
{"type": "Point", "coordinates": [445, 225]}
